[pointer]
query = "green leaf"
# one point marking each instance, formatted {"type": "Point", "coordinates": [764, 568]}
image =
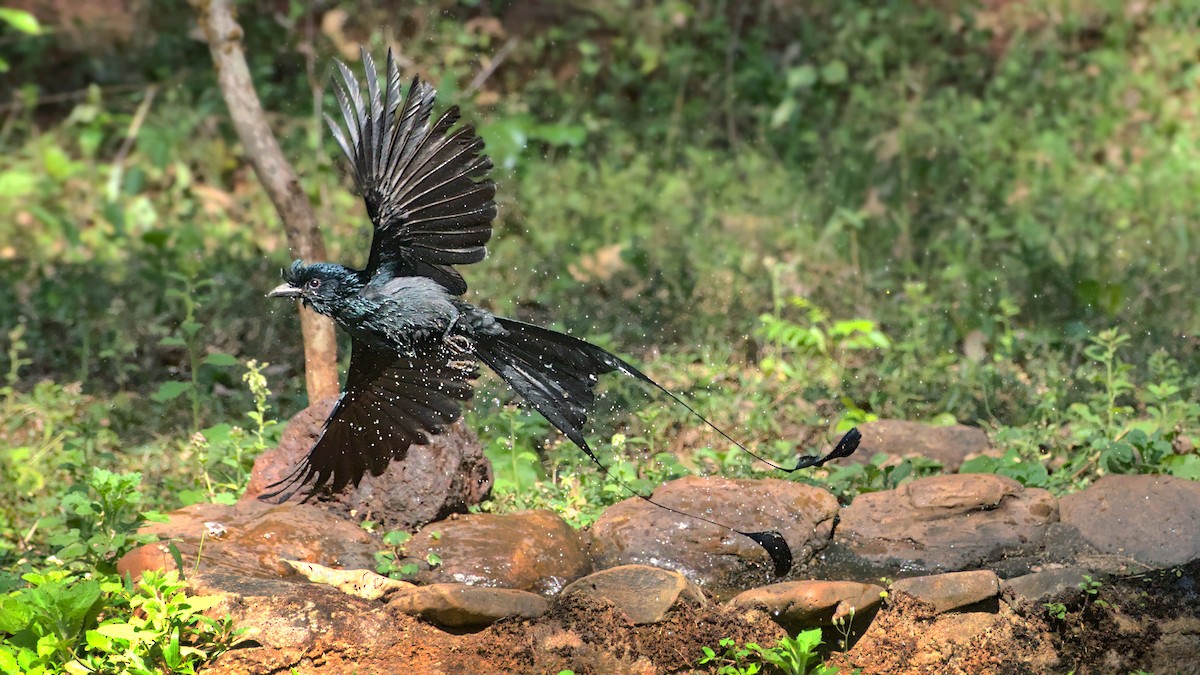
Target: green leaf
{"type": "Point", "coordinates": [8, 662]}
{"type": "Point", "coordinates": [220, 360]}
{"type": "Point", "coordinates": [21, 20]}
{"type": "Point", "coordinates": [168, 391]}
{"type": "Point", "coordinates": [15, 615]}
{"type": "Point", "coordinates": [17, 183]}
{"type": "Point", "coordinates": [123, 631]}
{"type": "Point", "coordinates": [802, 77]}
{"type": "Point", "coordinates": [834, 72]}
{"type": "Point", "coordinates": [172, 341]}
{"type": "Point", "coordinates": [396, 538]}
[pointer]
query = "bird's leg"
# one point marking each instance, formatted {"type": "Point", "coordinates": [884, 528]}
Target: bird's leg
{"type": "Point", "coordinates": [449, 328]}
{"type": "Point", "coordinates": [457, 343]}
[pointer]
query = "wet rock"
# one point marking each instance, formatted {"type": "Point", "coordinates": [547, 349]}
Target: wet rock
{"type": "Point", "coordinates": [430, 483]}
{"type": "Point", "coordinates": [951, 591]}
{"type": "Point", "coordinates": [250, 538]}
{"type": "Point", "coordinates": [645, 594]}
{"type": "Point", "coordinates": [1152, 519]}
{"type": "Point", "coordinates": [530, 551]}
{"type": "Point", "coordinates": [156, 556]}
{"type": "Point", "coordinates": [1041, 587]}
{"type": "Point", "coordinates": [463, 606]}
{"type": "Point", "coordinates": [721, 562]}
{"type": "Point", "coordinates": [945, 523]}
{"type": "Point", "coordinates": [950, 445]}
{"type": "Point", "coordinates": [797, 605]}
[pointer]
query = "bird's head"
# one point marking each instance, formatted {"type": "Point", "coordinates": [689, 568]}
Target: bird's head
{"type": "Point", "coordinates": [321, 286]}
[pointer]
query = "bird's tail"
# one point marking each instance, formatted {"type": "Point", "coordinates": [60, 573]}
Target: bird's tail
{"type": "Point", "coordinates": [557, 375]}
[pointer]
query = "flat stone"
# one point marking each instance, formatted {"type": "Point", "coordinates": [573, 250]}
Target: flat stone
{"type": "Point", "coordinates": [1149, 518]}
{"type": "Point", "coordinates": [250, 538]}
{"type": "Point", "coordinates": [946, 523]}
{"type": "Point", "coordinates": [431, 482]}
{"type": "Point", "coordinates": [948, 592]}
{"type": "Point", "coordinates": [529, 551]}
{"type": "Point", "coordinates": [950, 445]}
{"type": "Point", "coordinates": [798, 605]}
{"type": "Point", "coordinates": [723, 563]}
{"type": "Point", "coordinates": [1046, 585]}
{"type": "Point", "coordinates": [281, 613]}
{"type": "Point", "coordinates": [463, 606]}
{"type": "Point", "coordinates": [645, 594]}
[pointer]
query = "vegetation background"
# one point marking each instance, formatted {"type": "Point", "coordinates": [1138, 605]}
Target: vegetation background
{"type": "Point", "coordinates": [801, 215]}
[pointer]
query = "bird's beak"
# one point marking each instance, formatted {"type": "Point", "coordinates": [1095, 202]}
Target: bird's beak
{"type": "Point", "coordinates": [284, 291]}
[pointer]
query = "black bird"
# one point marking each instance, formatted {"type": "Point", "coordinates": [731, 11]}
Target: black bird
{"type": "Point", "coordinates": [415, 344]}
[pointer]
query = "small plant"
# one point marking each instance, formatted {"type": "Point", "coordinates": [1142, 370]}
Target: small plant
{"type": "Point", "coordinates": [1091, 589]}
{"type": "Point", "coordinates": [791, 656]}
{"type": "Point", "coordinates": [1057, 610]}
{"type": "Point", "coordinates": [230, 448]}
{"type": "Point", "coordinates": [844, 626]}
{"type": "Point", "coordinates": [102, 520]}
{"type": "Point", "coordinates": [732, 660]}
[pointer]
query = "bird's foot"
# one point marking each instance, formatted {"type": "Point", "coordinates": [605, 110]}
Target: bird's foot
{"type": "Point", "coordinates": [459, 344]}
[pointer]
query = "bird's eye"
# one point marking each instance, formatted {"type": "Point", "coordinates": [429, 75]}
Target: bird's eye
{"type": "Point", "coordinates": [314, 283]}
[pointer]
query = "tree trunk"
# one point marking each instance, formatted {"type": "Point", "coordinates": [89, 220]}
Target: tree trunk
{"type": "Point", "coordinates": [224, 37]}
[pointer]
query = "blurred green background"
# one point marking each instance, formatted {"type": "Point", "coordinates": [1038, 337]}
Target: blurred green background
{"type": "Point", "coordinates": [800, 215]}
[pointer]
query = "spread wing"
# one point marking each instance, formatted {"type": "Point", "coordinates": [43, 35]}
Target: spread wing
{"type": "Point", "coordinates": [389, 403]}
{"type": "Point", "coordinates": [424, 184]}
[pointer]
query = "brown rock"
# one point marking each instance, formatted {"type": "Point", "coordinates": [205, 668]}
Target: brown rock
{"type": "Point", "coordinates": [250, 538]}
{"type": "Point", "coordinates": [154, 556]}
{"type": "Point", "coordinates": [949, 445]}
{"type": "Point", "coordinates": [430, 483]}
{"type": "Point", "coordinates": [721, 562]}
{"type": "Point", "coordinates": [1152, 519]}
{"type": "Point", "coordinates": [947, 592]}
{"type": "Point", "coordinates": [645, 594]}
{"type": "Point", "coordinates": [797, 605]}
{"type": "Point", "coordinates": [530, 551]}
{"type": "Point", "coordinates": [946, 523]}
{"type": "Point", "coordinates": [461, 606]}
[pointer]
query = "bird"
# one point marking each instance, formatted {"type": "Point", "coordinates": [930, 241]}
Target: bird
{"type": "Point", "coordinates": [416, 345]}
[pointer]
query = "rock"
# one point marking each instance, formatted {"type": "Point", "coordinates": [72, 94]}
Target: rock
{"type": "Point", "coordinates": [948, 592]}
{"type": "Point", "coordinates": [463, 606]}
{"type": "Point", "coordinates": [945, 523]}
{"type": "Point", "coordinates": [430, 483]}
{"type": "Point", "coordinates": [949, 445]}
{"type": "Point", "coordinates": [645, 594]}
{"type": "Point", "coordinates": [721, 562]}
{"type": "Point", "coordinates": [1046, 585]}
{"type": "Point", "coordinates": [250, 538]}
{"type": "Point", "coordinates": [284, 613]}
{"type": "Point", "coordinates": [530, 551]}
{"type": "Point", "coordinates": [154, 556]}
{"type": "Point", "coordinates": [797, 605]}
{"type": "Point", "coordinates": [1151, 519]}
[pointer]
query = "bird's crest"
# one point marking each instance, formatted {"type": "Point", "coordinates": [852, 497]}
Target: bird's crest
{"type": "Point", "coordinates": [292, 274]}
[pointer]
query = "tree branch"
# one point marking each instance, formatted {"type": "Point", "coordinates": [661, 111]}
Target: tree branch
{"type": "Point", "coordinates": [224, 37]}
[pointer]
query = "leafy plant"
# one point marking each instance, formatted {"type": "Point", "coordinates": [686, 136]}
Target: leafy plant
{"type": "Point", "coordinates": [102, 520]}
{"type": "Point", "coordinates": [67, 623]}
{"type": "Point", "coordinates": [792, 656]}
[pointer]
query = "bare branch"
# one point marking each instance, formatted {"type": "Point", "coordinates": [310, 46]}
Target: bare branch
{"type": "Point", "coordinates": [224, 37]}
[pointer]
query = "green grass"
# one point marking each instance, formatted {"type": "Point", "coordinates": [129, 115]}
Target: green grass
{"type": "Point", "coordinates": [873, 211]}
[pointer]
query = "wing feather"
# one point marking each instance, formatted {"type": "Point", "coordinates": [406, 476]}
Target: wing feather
{"type": "Point", "coordinates": [390, 403]}
{"type": "Point", "coordinates": [425, 184]}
